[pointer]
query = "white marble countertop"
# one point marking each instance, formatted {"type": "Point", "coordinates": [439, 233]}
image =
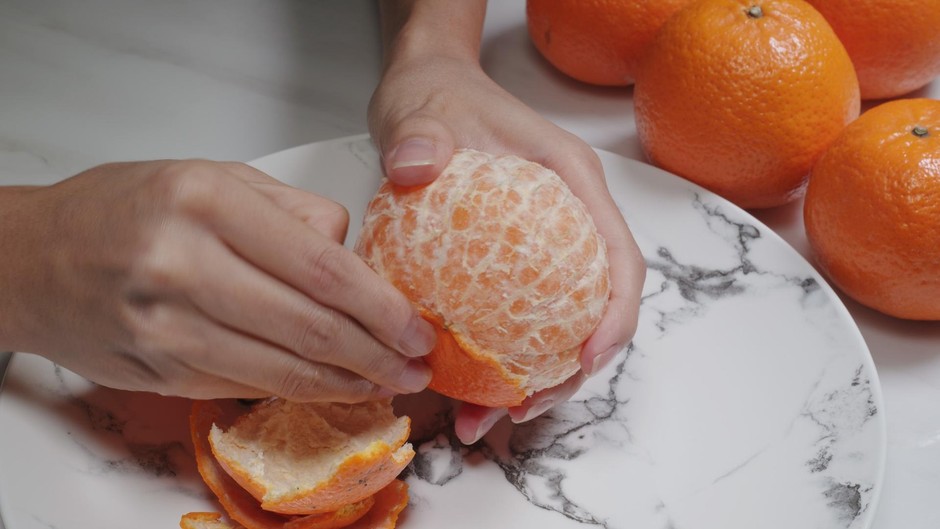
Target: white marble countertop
{"type": "Point", "coordinates": [82, 83]}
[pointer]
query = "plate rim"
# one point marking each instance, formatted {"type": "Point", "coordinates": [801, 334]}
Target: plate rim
{"type": "Point", "coordinates": [830, 292]}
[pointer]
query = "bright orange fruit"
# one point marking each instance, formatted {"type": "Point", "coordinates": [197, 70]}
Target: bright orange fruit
{"type": "Point", "coordinates": [743, 96]}
{"type": "Point", "coordinates": [507, 264]}
{"type": "Point", "coordinates": [872, 209]}
{"type": "Point", "coordinates": [894, 44]}
{"type": "Point", "coordinates": [599, 41]}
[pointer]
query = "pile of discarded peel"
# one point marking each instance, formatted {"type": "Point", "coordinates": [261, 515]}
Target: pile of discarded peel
{"type": "Point", "coordinates": [276, 464]}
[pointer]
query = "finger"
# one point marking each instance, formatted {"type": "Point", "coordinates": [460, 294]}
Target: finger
{"type": "Point", "coordinates": [241, 297]}
{"type": "Point", "coordinates": [473, 421]}
{"type": "Point", "coordinates": [584, 175]}
{"type": "Point", "coordinates": [326, 216]}
{"type": "Point", "coordinates": [213, 387]}
{"type": "Point", "coordinates": [619, 323]}
{"type": "Point", "coordinates": [546, 399]}
{"type": "Point", "coordinates": [200, 350]}
{"type": "Point", "coordinates": [415, 149]}
{"type": "Point", "coordinates": [319, 267]}
{"type": "Point", "coordinates": [132, 371]}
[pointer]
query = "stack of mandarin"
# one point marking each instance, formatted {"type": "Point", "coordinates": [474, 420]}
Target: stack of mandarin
{"type": "Point", "coordinates": [760, 101]}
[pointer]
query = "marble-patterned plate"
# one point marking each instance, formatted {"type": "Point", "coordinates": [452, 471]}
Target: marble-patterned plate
{"type": "Point", "coordinates": [748, 399]}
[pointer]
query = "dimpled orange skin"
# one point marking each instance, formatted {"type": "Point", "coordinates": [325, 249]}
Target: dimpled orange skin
{"type": "Point", "coordinates": [872, 210]}
{"type": "Point", "coordinates": [894, 44]}
{"type": "Point", "coordinates": [596, 41]}
{"type": "Point", "coordinates": [744, 105]}
{"type": "Point", "coordinates": [506, 263]}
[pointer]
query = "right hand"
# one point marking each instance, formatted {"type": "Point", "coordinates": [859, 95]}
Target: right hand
{"type": "Point", "coordinates": [425, 106]}
{"type": "Point", "coordinates": [205, 280]}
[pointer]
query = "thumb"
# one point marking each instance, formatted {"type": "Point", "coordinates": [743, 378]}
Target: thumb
{"type": "Point", "coordinates": [416, 149]}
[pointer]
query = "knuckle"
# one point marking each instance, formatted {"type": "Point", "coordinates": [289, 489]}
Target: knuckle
{"type": "Point", "coordinates": [326, 268]}
{"type": "Point", "coordinates": [147, 361]}
{"type": "Point", "coordinates": [335, 217]}
{"type": "Point", "coordinates": [236, 167]}
{"type": "Point", "coordinates": [573, 152]}
{"type": "Point", "coordinates": [156, 356]}
{"type": "Point", "coordinates": [326, 337]}
{"type": "Point", "coordinates": [319, 335]}
{"type": "Point", "coordinates": [158, 267]}
{"type": "Point", "coordinates": [152, 332]}
{"type": "Point", "coordinates": [187, 186]}
{"type": "Point", "coordinates": [311, 382]}
{"type": "Point", "coordinates": [144, 321]}
{"type": "Point", "coordinates": [586, 157]}
{"type": "Point", "coordinates": [302, 381]}
{"type": "Point", "coordinates": [384, 366]}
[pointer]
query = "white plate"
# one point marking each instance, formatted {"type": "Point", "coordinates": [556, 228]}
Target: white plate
{"type": "Point", "coordinates": [748, 400]}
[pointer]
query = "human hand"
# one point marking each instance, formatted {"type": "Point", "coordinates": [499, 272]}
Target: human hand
{"type": "Point", "coordinates": [205, 280]}
{"type": "Point", "coordinates": [427, 104]}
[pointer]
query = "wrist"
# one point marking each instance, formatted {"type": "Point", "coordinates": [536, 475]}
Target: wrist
{"type": "Point", "coordinates": [439, 28]}
{"type": "Point", "coordinates": [18, 244]}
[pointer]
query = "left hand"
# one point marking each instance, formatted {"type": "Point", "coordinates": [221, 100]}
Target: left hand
{"type": "Point", "coordinates": [429, 104]}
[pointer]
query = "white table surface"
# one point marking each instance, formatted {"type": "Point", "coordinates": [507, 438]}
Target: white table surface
{"type": "Point", "coordinates": [82, 83]}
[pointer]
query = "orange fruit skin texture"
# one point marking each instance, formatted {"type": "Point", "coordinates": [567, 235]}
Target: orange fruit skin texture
{"type": "Point", "coordinates": [744, 106]}
{"type": "Point", "coordinates": [872, 210]}
{"type": "Point", "coordinates": [596, 41]}
{"type": "Point", "coordinates": [378, 511]}
{"type": "Point", "coordinates": [894, 44]}
{"type": "Point", "coordinates": [507, 264]}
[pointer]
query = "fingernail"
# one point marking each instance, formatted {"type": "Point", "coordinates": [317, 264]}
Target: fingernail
{"type": "Point", "coordinates": [485, 427]}
{"type": "Point", "coordinates": [415, 377]}
{"type": "Point", "coordinates": [419, 338]}
{"type": "Point", "coordinates": [535, 410]}
{"type": "Point", "coordinates": [601, 360]}
{"type": "Point", "coordinates": [413, 153]}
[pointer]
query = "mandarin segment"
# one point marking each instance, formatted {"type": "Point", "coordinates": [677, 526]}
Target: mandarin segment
{"type": "Point", "coordinates": [508, 264]}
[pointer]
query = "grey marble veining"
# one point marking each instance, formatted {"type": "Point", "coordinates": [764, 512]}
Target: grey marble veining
{"type": "Point", "coordinates": [89, 82]}
{"type": "Point", "coordinates": [746, 398]}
